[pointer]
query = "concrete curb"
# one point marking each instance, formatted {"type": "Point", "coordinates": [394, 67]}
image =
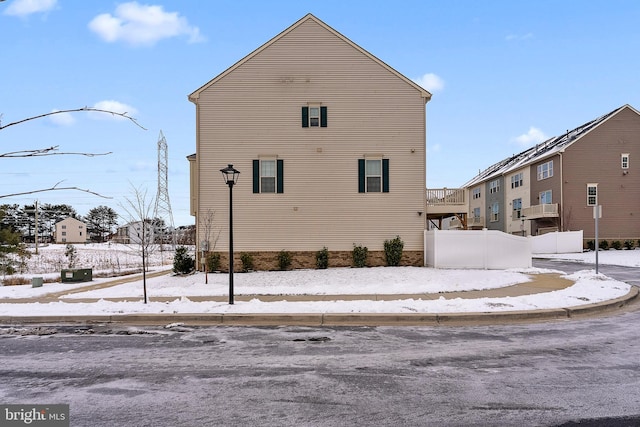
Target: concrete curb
{"type": "Point", "coordinates": [337, 319]}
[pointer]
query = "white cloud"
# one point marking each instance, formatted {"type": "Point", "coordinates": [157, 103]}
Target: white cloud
{"type": "Point", "coordinates": [534, 136]}
{"type": "Point", "coordinates": [435, 148]}
{"type": "Point", "coordinates": [430, 82]}
{"type": "Point", "coordinates": [28, 7]}
{"type": "Point", "coordinates": [115, 106]}
{"type": "Point", "coordinates": [62, 119]}
{"type": "Point", "coordinates": [142, 25]}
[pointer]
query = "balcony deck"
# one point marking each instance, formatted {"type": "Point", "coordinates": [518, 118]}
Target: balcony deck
{"type": "Point", "coordinates": [547, 210]}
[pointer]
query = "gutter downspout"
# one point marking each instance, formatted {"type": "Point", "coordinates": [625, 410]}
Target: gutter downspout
{"type": "Point", "coordinates": [561, 195]}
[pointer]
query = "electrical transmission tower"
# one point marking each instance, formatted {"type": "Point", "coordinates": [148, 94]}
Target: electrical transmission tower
{"type": "Point", "coordinates": [163, 205]}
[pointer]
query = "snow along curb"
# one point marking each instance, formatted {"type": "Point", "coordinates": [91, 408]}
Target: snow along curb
{"type": "Point", "coordinates": [335, 319]}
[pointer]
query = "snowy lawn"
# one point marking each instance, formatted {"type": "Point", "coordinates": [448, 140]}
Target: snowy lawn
{"type": "Point", "coordinates": [588, 288]}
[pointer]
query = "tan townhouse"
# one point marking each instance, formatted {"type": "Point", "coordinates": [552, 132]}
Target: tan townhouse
{"type": "Point", "coordinates": [330, 144]}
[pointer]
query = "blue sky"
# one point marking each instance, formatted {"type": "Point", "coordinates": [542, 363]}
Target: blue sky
{"type": "Point", "coordinates": [504, 76]}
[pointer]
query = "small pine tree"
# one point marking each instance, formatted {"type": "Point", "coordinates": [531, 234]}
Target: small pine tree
{"type": "Point", "coordinates": [360, 254]}
{"type": "Point", "coordinates": [393, 251]}
{"type": "Point", "coordinates": [72, 255]}
{"type": "Point", "coordinates": [322, 258]}
{"type": "Point", "coordinates": [247, 261]}
{"type": "Point", "coordinates": [213, 262]}
{"type": "Point", "coordinates": [284, 260]}
{"type": "Point", "coordinates": [182, 261]}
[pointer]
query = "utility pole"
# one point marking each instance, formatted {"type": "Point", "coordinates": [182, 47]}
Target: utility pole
{"type": "Point", "coordinates": [36, 232]}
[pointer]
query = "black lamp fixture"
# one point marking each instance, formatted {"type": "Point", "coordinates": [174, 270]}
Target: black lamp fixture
{"type": "Point", "coordinates": [230, 176]}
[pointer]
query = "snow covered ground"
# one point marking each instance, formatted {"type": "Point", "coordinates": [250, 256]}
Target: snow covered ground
{"type": "Point", "coordinates": [588, 288]}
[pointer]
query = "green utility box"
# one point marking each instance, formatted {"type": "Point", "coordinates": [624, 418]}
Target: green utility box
{"type": "Point", "coordinates": [76, 275]}
{"type": "Point", "coordinates": [36, 282]}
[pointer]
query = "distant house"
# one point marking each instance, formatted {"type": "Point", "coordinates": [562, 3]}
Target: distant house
{"type": "Point", "coordinates": [70, 230]}
{"type": "Point", "coordinates": [133, 233]}
{"type": "Point", "coordinates": [330, 143]}
{"type": "Point", "coordinates": [555, 185]}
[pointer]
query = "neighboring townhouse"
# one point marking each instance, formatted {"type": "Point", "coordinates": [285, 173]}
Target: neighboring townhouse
{"type": "Point", "coordinates": [134, 233]}
{"type": "Point", "coordinates": [555, 185]}
{"type": "Point", "coordinates": [70, 230]}
{"type": "Point", "coordinates": [330, 145]}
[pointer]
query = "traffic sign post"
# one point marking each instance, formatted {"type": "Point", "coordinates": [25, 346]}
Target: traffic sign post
{"type": "Point", "coordinates": [597, 214]}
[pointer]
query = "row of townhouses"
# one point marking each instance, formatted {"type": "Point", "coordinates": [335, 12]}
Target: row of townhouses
{"type": "Point", "coordinates": [330, 143]}
{"type": "Point", "coordinates": [555, 185]}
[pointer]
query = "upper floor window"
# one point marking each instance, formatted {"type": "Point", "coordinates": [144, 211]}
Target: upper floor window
{"type": "Point", "coordinates": [64, 227]}
{"type": "Point", "coordinates": [268, 176]}
{"type": "Point", "coordinates": [545, 197]}
{"type": "Point", "coordinates": [476, 193]}
{"type": "Point", "coordinates": [624, 160]}
{"type": "Point", "coordinates": [494, 186]}
{"type": "Point", "coordinates": [314, 115]}
{"type": "Point", "coordinates": [592, 194]}
{"type": "Point", "coordinates": [516, 180]}
{"type": "Point", "coordinates": [373, 175]}
{"type": "Point", "coordinates": [545, 170]}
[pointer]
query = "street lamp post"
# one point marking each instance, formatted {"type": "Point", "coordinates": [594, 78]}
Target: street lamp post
{"type": "Point", "coordinates": [230, 176]}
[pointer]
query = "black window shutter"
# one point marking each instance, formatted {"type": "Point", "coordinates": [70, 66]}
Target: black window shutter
{"type": "Point", "coordinates": [280, 175]}
{"type": "Point", "coordinates": [323, 117]}
{"type": "Point", "coordinates": [256, 176]}
{"type": "Point", "coordinates": [305, 117]}
{"type": "Point", "coordinates": [360, 175]}
{"type": "Point", "coordinates": [385, 175]}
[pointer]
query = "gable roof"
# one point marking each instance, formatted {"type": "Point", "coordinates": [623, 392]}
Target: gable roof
{"type": "Point", "coordinates": [546, 149]}
{"type": "Point", "coordinates": [70, 219]}
{"type": "Point", "coordinates": [193, 97]}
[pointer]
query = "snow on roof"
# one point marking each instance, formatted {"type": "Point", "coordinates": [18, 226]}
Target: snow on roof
{"type": "Point", "coordinates": [539, 151]}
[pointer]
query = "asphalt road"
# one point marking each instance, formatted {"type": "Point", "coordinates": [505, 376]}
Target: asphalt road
{"type": "Point", "coordinates": [630, 275]}
{"type": "Point", "coordinates": [544, 374]}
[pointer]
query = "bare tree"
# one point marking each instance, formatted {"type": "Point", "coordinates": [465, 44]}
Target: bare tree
{"type": "Point", "coordinates": [206, 246]}
{"type": "Point", "coordinates": [141, 226]}
{"type": "Point", "coordinates": [53, 151]}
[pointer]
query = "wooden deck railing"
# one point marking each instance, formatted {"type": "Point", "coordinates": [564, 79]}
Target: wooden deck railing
{"type": "Point", "coordinates": [446, 196]}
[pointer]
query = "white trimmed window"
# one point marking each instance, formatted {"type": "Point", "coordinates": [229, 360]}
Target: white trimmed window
{"type": "Point", "coordinates": [592, 194]}
{"type": "Point", "coordinates": [517, 208]}
{"type": "Point", "coordinates": [516, 180]}
{"type": "Point", "coordinates": [545, 197]}
{"type": "Point", "coordinates": [494, 186]}
{"type": "Point", "coordinates": [314, 115]}
{"type": "Point", "coordinates": [545, 170]}
{"type": "Point", "coordinates": [476, 193]}
{"type": "Point", "coordinates": [267, 176]}
{"type": "Point", "coordinates": [495, 212]}
{"type": "Point", "coordinates": [373, 175]}
{"type": "Point", "coordinates": [624, 160]}
{"type": "Point", "coordinates": [476, 213]}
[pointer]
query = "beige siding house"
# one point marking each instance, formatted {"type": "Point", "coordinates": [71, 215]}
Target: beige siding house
{"type": "Point", "coordinates": [563, 178]}
{"type": "Point", "coordinates": [330, 145]}
{"type": "Point", "coordinates": [71, 230]}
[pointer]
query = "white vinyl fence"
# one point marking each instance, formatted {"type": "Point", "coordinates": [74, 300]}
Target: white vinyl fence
{"type": "Point", "coordinates": [480, 249]}
{"type": "Point", "coordinates": [557, 243]}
